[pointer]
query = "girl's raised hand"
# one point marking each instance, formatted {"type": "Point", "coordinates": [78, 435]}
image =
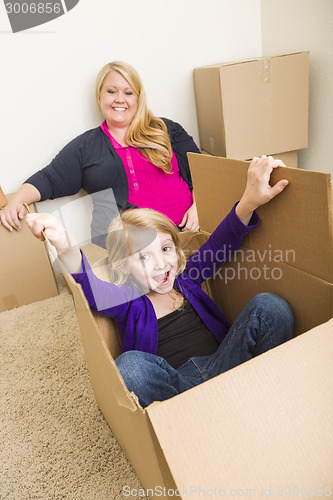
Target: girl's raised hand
{"type": "Point", "coordinates": [51, 227]}
{"type": "Point", "coordinates": [67, 249]}
{"type": "Point", "coordinates": [258, 190]}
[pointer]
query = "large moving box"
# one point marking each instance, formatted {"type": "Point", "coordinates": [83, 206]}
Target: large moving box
{"type": "Point", "coordinates": [291, 250]}
{"type": "Point", "coordinates": [290, 159]}
{"type": "Point", "coordinates": [265, 427]}
{"type": "Point", "coordinates": [254, 107]}
{"type": "Point", "coordinates": [26, 273]}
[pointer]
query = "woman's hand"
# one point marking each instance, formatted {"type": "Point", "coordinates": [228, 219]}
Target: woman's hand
{"type": "Point", "coordinates": [14, 211]}
{"type": "Point", "coordinates": [258, 190]}
{"type": "Point", "coordinates": [190, 219]}
{"type": "Point", "coordinates": [11, 215]}
{"type": "Point", "coordinates": [67, 249]}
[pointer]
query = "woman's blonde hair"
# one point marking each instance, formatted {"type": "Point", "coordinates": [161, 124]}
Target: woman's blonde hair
{"type": "Point", "coordinates": [132, 231]}
{"type": "Point", "coordinates": [147, 133]}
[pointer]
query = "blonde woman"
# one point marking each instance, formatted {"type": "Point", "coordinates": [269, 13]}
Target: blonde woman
{"type": "Point", "coordinates": [138, 156]}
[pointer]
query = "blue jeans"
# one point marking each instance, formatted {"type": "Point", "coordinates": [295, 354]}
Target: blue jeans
{"type": "Point", "coordinates": [266, 322]}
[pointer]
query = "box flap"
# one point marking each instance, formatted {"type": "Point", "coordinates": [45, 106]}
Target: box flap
{"type": "Point", "coordinates": [25, 269]}
{"type": "Point", "coordinates": [121, 409]}
{"type": "Point", "coordinates": [265, 425]}
{"type": "Point", "coordinates": [240, 279]}
{"type": "Point", "coordinates": [295, 227]}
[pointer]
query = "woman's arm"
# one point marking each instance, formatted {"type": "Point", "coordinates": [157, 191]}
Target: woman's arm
{"type": "Point", "coordinates": [190, 221]}
{"type": "Point", "coordinates": [62, 177]}
{"type": "Point", "coordinates": [14, 211]}
{"type": "Point", "coordinates": [181, 143]}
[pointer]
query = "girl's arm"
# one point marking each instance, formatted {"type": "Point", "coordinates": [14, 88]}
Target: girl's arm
{"type": "Point", "coordinates": [258, 190]}
{"type": "Point", "coordinates": [229, 234]}
{"type": "Point", "coordinates": [102, 296]}
{"type": "Point", "coordinates": [45, 225]}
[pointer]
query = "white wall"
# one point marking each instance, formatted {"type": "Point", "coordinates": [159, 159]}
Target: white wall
{"type": "Point", "coordinates": [291, 26]}
{"type": "Point", "coordinates": [48, 74]}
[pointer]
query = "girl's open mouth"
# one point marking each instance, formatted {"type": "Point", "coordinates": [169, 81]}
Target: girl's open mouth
{"type": "Point", "coordinates": [162, 279]}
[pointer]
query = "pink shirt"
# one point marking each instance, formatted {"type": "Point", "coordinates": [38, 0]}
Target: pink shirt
{"type": "Point", "coordinates": [150, 186]}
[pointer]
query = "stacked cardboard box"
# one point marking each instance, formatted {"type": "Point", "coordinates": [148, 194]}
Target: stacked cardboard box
{"type": "Point", "coordinates": [265, 427]}
{"type": "Point", "coordinates": [254, 107]}
{"type": "Point", "coordinates": [25, 269]}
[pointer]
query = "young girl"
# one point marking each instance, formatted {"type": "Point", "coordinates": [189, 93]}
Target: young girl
{"type": "Point", "coordinates": [173, 335]}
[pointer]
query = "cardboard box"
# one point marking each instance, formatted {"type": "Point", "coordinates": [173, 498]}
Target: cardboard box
{"type": "Point", "coordinates": [25, 269]}
{"type": "Point", "coordinates": [254, 107]}
{"type": "Point", "coordinates": [290, 159]}
{"type": "Point", "coordinates": [291, 250]}
{"type": "Point", "coordinates": [265, 427]}
{"type": "Point", "coordinates": [3, 199]}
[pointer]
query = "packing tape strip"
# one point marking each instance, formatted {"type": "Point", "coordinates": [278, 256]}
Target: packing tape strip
{"type": "Point", "coordinates": [266, 70]}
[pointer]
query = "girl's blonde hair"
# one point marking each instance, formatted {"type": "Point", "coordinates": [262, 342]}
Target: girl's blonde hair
{"type": "Point", "coordinates": [133, 230]}
{"type": "Point", "coordinates": [146, 132]}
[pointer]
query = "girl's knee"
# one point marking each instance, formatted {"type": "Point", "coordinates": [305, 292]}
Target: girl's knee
{"type": "Point", "coordinates": [146, 375]}
{"type": "Point", "coordinates": [138, 368]}
{"type": "Point", "coordinates": [277, 306]}
{"type": "Point", "coordinates": [132, 363]}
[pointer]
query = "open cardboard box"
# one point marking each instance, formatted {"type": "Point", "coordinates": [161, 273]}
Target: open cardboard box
{"type": "Point", "coordinates": [290, 158]}
{"type": "Point", "coordinates": [253, 107]}
{"type": "Point", "coordinates": [265, 427]}
{"type": "Point", "coordinates": [25, 269]}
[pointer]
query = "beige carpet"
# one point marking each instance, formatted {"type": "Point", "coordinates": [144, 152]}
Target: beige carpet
{"type": "Point", "coordinates": [54, 442]}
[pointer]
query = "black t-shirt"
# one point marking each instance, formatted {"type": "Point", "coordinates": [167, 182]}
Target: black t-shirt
{"type": "Point", "coordinates": [182, 334]}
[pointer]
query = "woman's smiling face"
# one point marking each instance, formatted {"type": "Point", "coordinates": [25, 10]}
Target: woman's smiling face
{"type": "Point", "coordinates": [118, 101]}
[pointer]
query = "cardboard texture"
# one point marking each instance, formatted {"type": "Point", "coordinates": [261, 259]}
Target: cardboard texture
{"type": "Point", "coordinates": [289, 253]}
{"type": "Point", "coordinates": [290, 159]}
{"type": "Point", "coordinates": [254, 107]}
{"type": "Point", "coordinates": [299, 219]}
{"type": "Point", "coordinates": [265, 425]}
{"type": "Point", "coordinates": [263, 428]}
{"type": "Point", "coordinates": [3, 199]}
{"type": "Point", "coordinates": [25, 269]}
